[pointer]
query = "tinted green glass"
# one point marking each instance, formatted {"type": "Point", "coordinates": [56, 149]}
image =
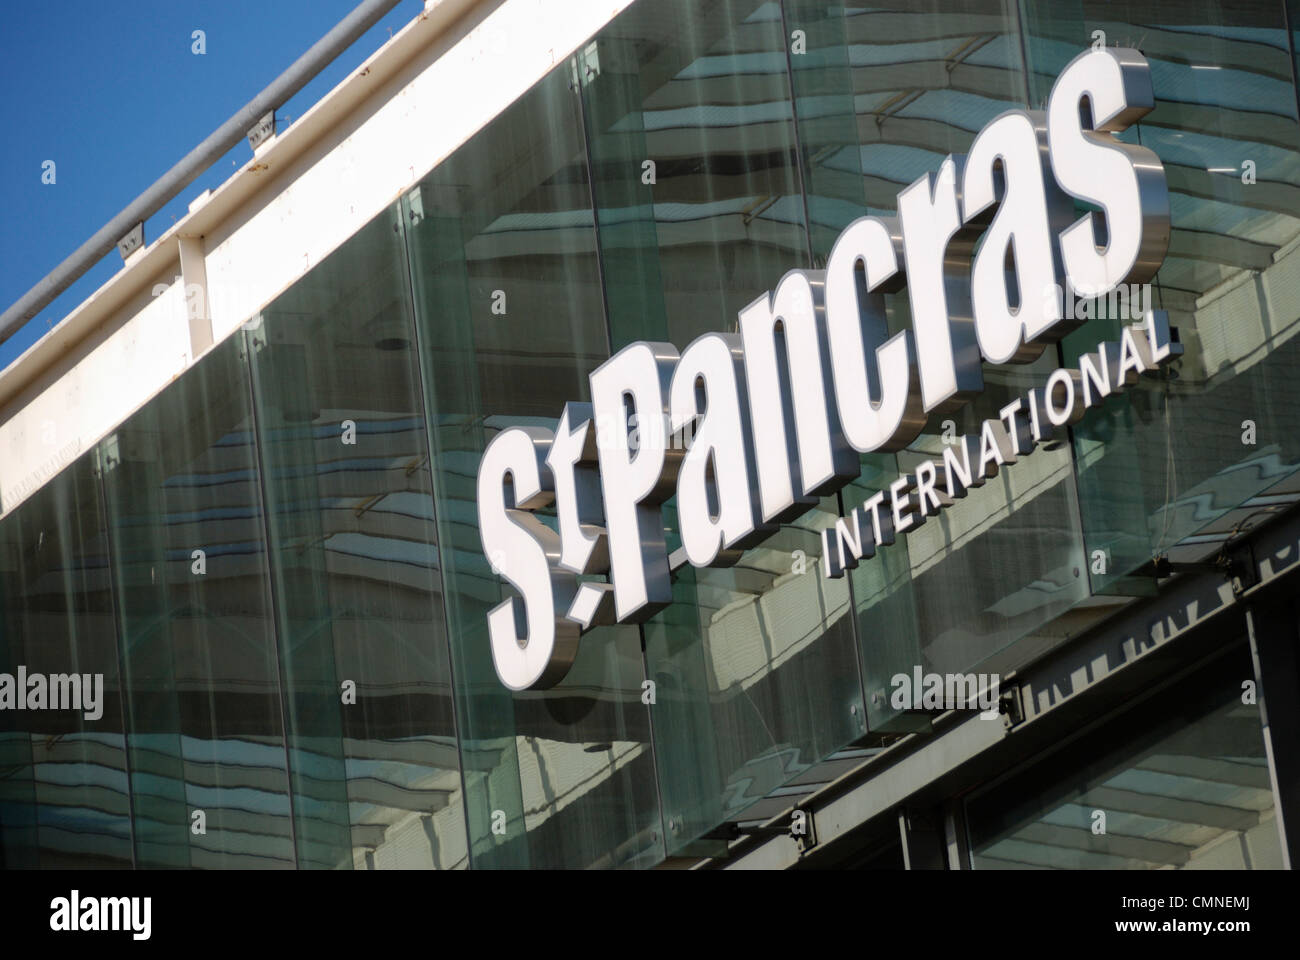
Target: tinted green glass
{"type": "Point", "coordinates": [1183, 460]}
{"type": "Point", "coordinates": [1293, 21]}
{"type": "Point", "coordinates": [198, 641]}
{"type": "Point", "coordinates": [695, 168]}
{"type": "Point", "coordinates": [700, 211]}
{"type": "Point", "coordinates": [1182, 783]}
{"type": "Point", "coordinates": [19, 842]}
{"type": "Point", "coordinates": [503, 258]}
{"type": "Point", "coordinates": [883, 97]}
{"type": "Point", "coordinates": [66, 793]}
{"type": "Point", "coordinates": [354, 564]}
{"type": "Point", "coordinates": [756, 677]}
{"type": "Point", "coordinates": [723, 142]}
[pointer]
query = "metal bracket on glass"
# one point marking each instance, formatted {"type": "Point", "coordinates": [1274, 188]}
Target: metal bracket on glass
{"type": "Point", "coordinates": [254, 334]}
{"type": "Point", "coordinates": [799, 827]}
{"type": "Point", "coordinates": [1162, 566]}
{"type": "Point", "coordinates": [107, 456]}
{"type": "Point", "coordinates": [415, 205]}
{"type": "Point", "coordinates": [731, 830]}
{"type": "Point", "coordinates": [1238, 568]}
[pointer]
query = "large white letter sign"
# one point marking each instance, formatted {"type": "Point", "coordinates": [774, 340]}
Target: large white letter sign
{"type": "Point", "coordinates": [717, 498]}
{"type": "Point", "coordinates": [863, 266]}
{"type": "Point", "coordinates": [636, 477]}
{"type": "Point", "coordinates": [938, 248]}
{"type": "Point", "coordinates": [793, 471]}
{"type": "Point", "coordinates": [572, 460]}
{"type": "Point", "coordinates": [748, 429]}
{"type": "Point", "coordinates": [1008, 166]}
{"type": "Point", "coordinates": [580, 513]}
{"type": "Point", "coordinates": [1128, 241]}
{"type": "Point", "coordinates": [533, 644]}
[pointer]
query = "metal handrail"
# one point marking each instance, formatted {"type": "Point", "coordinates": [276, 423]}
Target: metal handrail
{"type": "Point", "coordinates": [198, 160]}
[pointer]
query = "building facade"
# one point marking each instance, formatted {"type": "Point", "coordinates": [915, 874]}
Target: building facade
{"type": "Point", "coordinates": [240, 482]}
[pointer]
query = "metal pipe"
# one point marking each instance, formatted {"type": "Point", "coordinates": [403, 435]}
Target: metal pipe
{"type": "Point", "coordinates": [198, 160]}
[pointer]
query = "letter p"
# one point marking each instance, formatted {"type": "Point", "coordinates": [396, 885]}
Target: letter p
{"type": "Point", "coordinates": [636, 481]}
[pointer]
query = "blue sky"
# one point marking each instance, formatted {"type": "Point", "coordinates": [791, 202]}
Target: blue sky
{"type": "Point", "coordinates": [114, 94]}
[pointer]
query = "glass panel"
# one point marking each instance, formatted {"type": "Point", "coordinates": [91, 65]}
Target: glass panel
{"type": "Point", "coordinates": [1182, 782]}
{"type": "Point", "coordinates": [755, 665]}
{"type": "Point", "coordinates": [198, 643]}
{"type": "Point", "coordinates": [883, 96]}
{"type": "Point", "coordinates": [700, 91]}
{"type": "Point", "coordinates": [65, 800]}
{"type": "Point", "coordinates": [756, 677]}
{"type": "Point", "coordinates": [1180, 462]}
{"type": "Point", "coordinates": [510, 317]}
{"type": "Point", "coordinates": [355, 565]}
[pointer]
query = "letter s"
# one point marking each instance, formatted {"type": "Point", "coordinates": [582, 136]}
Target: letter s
{"type": "Point", "coordinates": [533, 644]}
{"type": "Point", "coordinates": [1128, 240]}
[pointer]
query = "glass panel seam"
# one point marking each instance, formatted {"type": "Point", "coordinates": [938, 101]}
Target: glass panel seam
{"type": "Point", "coordinates": [97, 465]}
{"type": "Point", "coordinates": [853, 632]}
{"type": "Point", "coordinates": [798, 144]}
{"type": "Point", "coordinates": [423, 385]}
{"type": "Point", "coordinates": [1290, 46]}
{"type": "Point", "coordinates": [1023, 46]}
{"type": "Point", "coordinates": [246, 357]}
{"type": "Point", "coordinates": [609, 350]}
{"type": "Point", "coordinates": [576, 87]}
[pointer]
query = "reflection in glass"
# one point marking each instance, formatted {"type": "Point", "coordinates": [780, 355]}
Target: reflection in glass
{"type": "Point", "coordinates": [299, 688]}
{"type": "Point", "coordinates": [882, 98]}
{"type": "Point", "coordinates": [701, 91]}
{"type": "Point", "coordinates": [511, 322]}
{"type": "Point", "coordinates": [345, 464]}
{"type": "Point", "coordinates": [1183, 783]}
{"type": "Point", "coordinates": [755, 665]}
{"type": "Point", "coordinates": [64, 797]}
{"type": "Point", "coordinates": [198, 641]}
{"type": "Point", "coordinates": [1178, 462]}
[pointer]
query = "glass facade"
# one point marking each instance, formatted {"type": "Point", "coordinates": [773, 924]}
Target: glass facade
{"type": "Point", "coordinates": [194, 612]}
{"type": "Point", "coordinates": [1190, 792]}
{"type": "Point", "coordinates": [276, 566]}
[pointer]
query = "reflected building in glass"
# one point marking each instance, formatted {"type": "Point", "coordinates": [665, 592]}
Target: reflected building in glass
{"type": "Point", "coordinates": [271, 552]}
